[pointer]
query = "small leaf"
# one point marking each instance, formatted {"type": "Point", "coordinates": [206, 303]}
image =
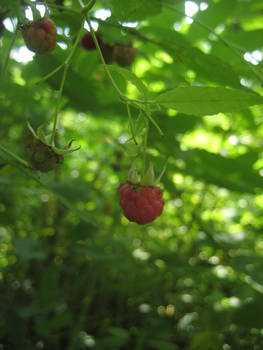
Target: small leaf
{"type": "Point", "coordinates": [139, 124]}
{"type": "Point", "coordinates": [42, 137]}
{"type": "Point", "coordinates": [63, 152]}
{"type": "Point", "coordinates": [132, 78]}
{"type": "Point", "coordinates": [200, 100]}
{"type": "Point", "coordinates": [131, 149]}
{"type": "Point", "coordinates": [31, 130]}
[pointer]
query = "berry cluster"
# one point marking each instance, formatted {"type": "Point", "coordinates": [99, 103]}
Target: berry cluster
{"type": "Point", "coordinates": [141, 201]}
{"type": "Point", "coordinates": [124, 55]}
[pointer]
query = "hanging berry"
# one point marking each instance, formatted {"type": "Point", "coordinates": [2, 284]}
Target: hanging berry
{"type": "Point", "coordinates": [40, 36]}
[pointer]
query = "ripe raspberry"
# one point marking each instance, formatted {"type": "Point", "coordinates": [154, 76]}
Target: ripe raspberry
{"type": "Point", "coordinates": [87, 42]}
{"type": "Point", "coordinates": [124, 55]}
{"type": "Point", "coordinates": [40, 36]}
{"type": "Point", "coordinates": [141, 204]}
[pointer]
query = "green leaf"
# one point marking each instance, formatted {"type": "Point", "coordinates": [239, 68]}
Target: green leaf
{"type": "Point", "coordinates": [236, 174]}
{"type": "Point", "coordinates": [206, 66]}
{"type": "Point", "coordinates": [133, 10]}
{"type": "Point", "coordinates": [132, 78]}
{"type": "Point", "coordinates": [139, 124]}
{"type": "Point", "coordinates": [202, 100]}
{"type": "Point", "coordinates": [206, 341]}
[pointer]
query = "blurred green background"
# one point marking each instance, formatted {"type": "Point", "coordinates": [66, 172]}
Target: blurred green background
{"type": "Point", "coordinates": [74, 273]}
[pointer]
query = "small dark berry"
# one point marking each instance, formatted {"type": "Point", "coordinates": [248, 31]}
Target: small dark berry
{"type": "Point", "coordinates": [87, 42]}
{"type": "Point", "coordinates": [124, 55]}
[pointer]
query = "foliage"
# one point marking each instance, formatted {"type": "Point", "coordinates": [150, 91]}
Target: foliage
{"type": "Point", "coordinates": [74, 273]}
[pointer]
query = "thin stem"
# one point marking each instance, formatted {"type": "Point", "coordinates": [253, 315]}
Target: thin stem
{"type": "Point", "coordinates": [5, 65]}
{"type": "Point", "coordinates": [14, 156]}
{"type": "Point", "coordinates": [121, 95]}
{"type": "Point", "coordinates": [67, 60]}
{"type": "Point", "coordinates": [162, 172]}
{"type": "Point", "coordinates": [49, 75]}
{"type": "Point", "coordinates": [58, 103]}
{"type": "Point", "coordinates": [148, 115]}
{"type": "Point", "coordinates": [66, 66]}
{"type": "Point", "coordinates": [88, 7]}
{"type": "Point", "coordinates": [140, 101]}
{"type": "Point", "coordinates": [130, 123]}
{"type": "Point", "coordinates": [145, 148]}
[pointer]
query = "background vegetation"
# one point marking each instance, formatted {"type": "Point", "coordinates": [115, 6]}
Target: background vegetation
{"type": "Point", "coordinates": [74, 273]}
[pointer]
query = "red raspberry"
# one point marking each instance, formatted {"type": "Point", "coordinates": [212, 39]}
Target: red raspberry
{"type": "Point", "coordinates": [141, 204]}
{"type": "Point", "coordinates": [87, 42]}
{"type": "Point", "coordinates": [40, 36]}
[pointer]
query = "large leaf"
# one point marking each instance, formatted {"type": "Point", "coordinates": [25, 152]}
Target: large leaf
{"type": "Point", "coordinates": [206, 66]}
{"type": "Point", "coordinates": [133, 10]}
{"type": "Point", "coordinates": [235, 174]}
{"type": "Point", "coordinates": [202, 100]}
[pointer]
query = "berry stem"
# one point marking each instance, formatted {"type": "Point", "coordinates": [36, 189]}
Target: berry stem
{"type": "Point", "coordinates": [121, 95]}
{"type": "Point", "coordinates": [57, 105]}
{"type": "Point", "coordinates": [49, 75]}
{"type": "Point", "coordinates": [66, 67]}
{"type": "Point", "coordinates": [145, 141]}
{"type": "Point", "coordinates": [88, 7]}
{"type": "Point", "coordinates": [149, 117]}
{"type": "Point", "coordinates": [162, 172]}
{"type": "Point", "coordinates": [130, 123]}
{"type": "Point", "coordinates": [14, 156]}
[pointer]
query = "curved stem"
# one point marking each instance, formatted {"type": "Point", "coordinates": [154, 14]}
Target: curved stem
{"type": "Point", "coordinates": [14, 156]}
{"type": "Point", "coordinates": [49, 75]}
{"type": "Point", "coordinates": [58, 103]}
{"type": "Point", "coordinates": [121, 95]}
{"type": "Point", "coordinates": [145, 148]}
{"type": "Point", "coordinates": [149, 117]}
{"type": "Point", "coordinates": [66, 66]}
{"type": "Point", "coordinates": [130, 123]}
